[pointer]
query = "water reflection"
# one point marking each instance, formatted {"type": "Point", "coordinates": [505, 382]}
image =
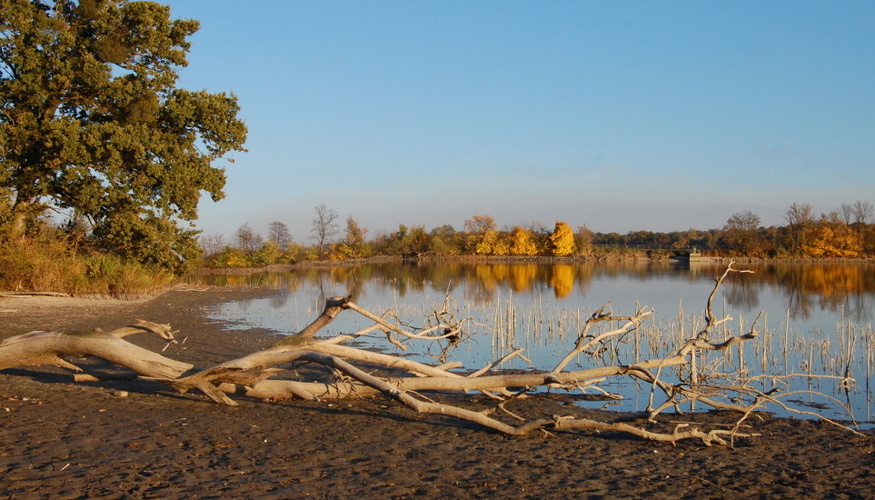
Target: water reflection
{"type": "Point", "coordinates": [848, 289]}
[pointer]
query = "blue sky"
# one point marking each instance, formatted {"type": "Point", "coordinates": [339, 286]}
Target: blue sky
{"type": "Point", "coordinates": [620, 115]}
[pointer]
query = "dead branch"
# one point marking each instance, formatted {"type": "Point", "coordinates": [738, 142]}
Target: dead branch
{"type": "Point", "coordinates": [48, 348]}
{"type": "Point", "coordinates": [405, 398]}
{"type": "Point", "coordinates": [599, 316]}
{"type": "Point", "coordinates": [711, 320]}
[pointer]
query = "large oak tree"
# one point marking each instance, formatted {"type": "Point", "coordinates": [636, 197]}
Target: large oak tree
{"type": "Point", "coordinates": [92, 121]}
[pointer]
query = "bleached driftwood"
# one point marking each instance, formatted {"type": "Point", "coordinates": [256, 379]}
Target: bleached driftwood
{"type": "Point", "coordinates": [48, 348]}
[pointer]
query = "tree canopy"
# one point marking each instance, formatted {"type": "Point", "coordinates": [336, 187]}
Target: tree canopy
{"type": "Point", "coordinates": [92, 121]}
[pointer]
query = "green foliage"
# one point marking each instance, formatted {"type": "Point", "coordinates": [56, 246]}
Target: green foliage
{"type": "Point", "coordinates": [150, 240]}
{"type": "Point", "coordinates": [445, 240]}
{"type": "Point", "coordinates": [406, 240]}
{"type": "Point", "coordinates": [118, 276]}
{"type": "Point", "coordinates": [92, 121]}
{"type": "Point", "coordinates": [229, 257]}
{"type": "Point", "coordinates": [268, 254]}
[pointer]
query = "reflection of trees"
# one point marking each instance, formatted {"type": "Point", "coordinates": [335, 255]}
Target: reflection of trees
{"type": "Point", "coordinates": [562, 280]}
{"type": "Point", "coordinates": [446, 278]}
{"type": "Point", "coordinates": [523, 276]}
{"type": "Point", "coordinates": [584, 278]}
{"type": "Point", "coordinates": [491, 275]}
{"type": "Point", "coordinates": [353, 279]}
{"type": "Point", "coordinates": [830, 286]}
{"type": "Point", "coordinates": [527, 277]}
{"type": "Point", "coordinates": [858, 310]}
{"type": "Point", "coordinates": [808, 287]}
{"type": "Point", "coordinates": [476, 292]}
{"type": "Point", "coordinates": [705, 270]}
{"type": "Point", "coordinates": [742, 293]}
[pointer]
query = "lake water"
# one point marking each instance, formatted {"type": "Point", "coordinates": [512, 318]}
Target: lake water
{"type": "Point", "coordinates": [817, 318]}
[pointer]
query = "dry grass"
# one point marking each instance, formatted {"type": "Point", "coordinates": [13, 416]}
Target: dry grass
{"type": "Point", "coordinates": [51, 266]}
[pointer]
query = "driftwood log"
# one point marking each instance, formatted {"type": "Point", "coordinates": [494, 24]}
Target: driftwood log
{"type": "Point", "coordinates": [257, 375]}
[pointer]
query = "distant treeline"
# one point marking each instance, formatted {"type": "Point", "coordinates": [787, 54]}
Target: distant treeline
{"type": "Point", "coordinates": [844, 233]}
{"type": "Point", "coordinates": [71, 257]}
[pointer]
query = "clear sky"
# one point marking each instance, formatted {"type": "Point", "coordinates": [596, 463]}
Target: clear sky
{"type": "Point", "coordinates": [620, 115]}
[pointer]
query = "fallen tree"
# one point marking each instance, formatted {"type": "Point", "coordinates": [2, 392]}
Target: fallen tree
{"type": "Point", "coordinates": [261, 374]}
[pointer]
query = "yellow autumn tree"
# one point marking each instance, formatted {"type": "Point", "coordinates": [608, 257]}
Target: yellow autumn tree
{"type": "Point", "coordinates": [562, 240]}
{"type": "Point", "coordinates": [502, 244]}
{"type": "Point", "coordinates": [477, 229]}
{"type": "Point", "coordinates": [523, 242]}
{"type": "Point", "coordinates": [486, 245]}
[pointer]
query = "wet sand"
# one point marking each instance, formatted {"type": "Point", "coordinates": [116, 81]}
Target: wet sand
{"type": "Point", "coordinates": [139, 439]}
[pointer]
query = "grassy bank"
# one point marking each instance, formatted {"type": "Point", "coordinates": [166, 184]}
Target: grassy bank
{"type": "Point", "coordinates": [53, 265]}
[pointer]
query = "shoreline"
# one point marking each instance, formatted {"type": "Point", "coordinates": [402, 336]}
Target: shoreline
{"type": "Point", "coordinates": [138, 439]}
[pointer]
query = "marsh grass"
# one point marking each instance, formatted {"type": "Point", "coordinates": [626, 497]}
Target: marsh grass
{"type": "Point", "coordinates": [826, 371]}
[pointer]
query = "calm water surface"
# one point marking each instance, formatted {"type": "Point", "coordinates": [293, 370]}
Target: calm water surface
{"type": "Point", "coordinates": [817, 318]}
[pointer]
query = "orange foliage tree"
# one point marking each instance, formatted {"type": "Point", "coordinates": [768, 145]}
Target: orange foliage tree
{"type": "Point", "coordinates": [832, 237]}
